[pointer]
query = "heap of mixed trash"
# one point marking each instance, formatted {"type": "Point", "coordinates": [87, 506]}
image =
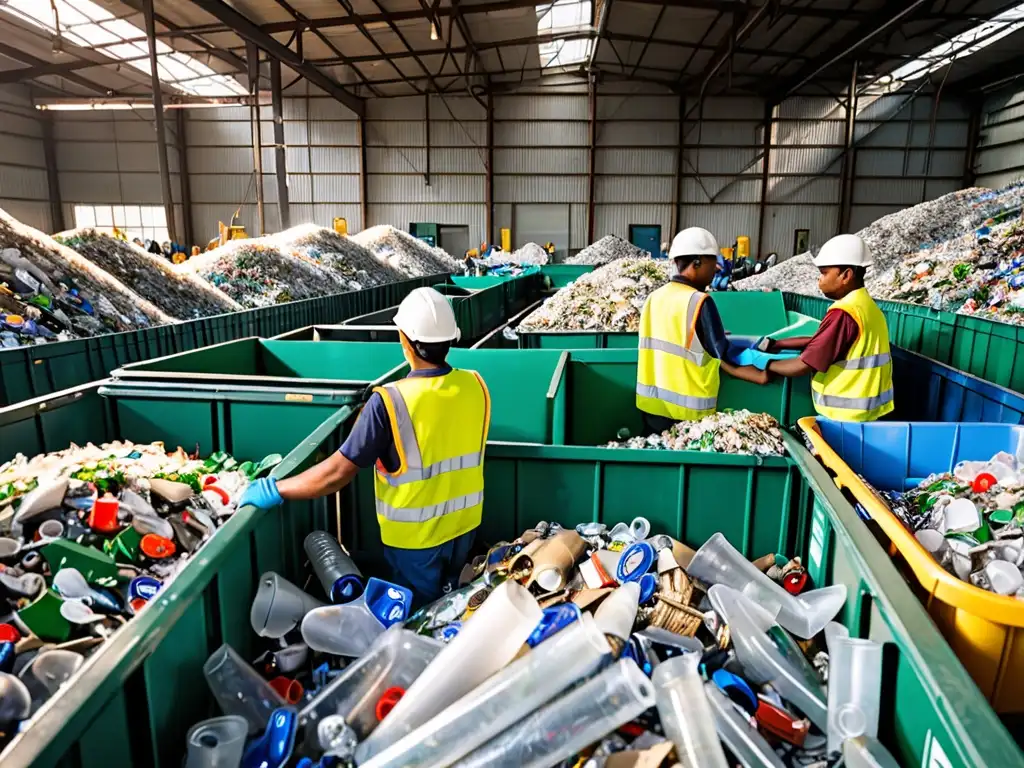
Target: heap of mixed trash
{"type": "Point", "coordinates": [971, 520]}
{"type": "Point", "coordinates": [962, 252]}
{"type": "Point", "coordinates": [738, 432]}
{"type": "Point", "coordinates": [610, 298]}
{"type": "Point", "coordinates": [90, 535]}
{"type": "Point", "coordinates": [564, 645]}
{"type": "Point", "coordinates": [608, 249]}
{"type": "Point", "coordinates": [407, 254]}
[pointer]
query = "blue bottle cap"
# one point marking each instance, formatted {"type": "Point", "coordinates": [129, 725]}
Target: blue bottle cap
{"type": "Point", "coordinates": [736, 688]}
{"type": "Point", "coordinates": [448, 632]}
{"type": "Point", "coordinates": [143, 588]}
{"type": "Point", "coordinates": [555, 618]}
{"type": "Point", "coordinates": [346, 589]}
{"type": "Point", "coordinates": [637, 559]}
{"type": "Point", "coordinates": [648, 584]}
{"type": "Point", "coordinates": [389, 602]}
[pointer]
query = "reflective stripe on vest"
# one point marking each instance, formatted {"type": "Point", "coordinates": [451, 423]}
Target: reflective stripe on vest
{"type": "Point", "coordinates": [863, 363]}
{"type": "Point", "coordinates": [676, 378]}
{"type": "Point", "coordinates": [853, 403]}
{"type": "Point", "coordinates": [422, 514]}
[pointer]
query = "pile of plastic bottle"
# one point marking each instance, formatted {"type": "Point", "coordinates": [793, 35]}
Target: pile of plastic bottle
{"type": "Point", "coordinates": [562, 646]}
{"type": "Point", "coordinates": [88, 537]}
{"type": "Point", "coordinates": [971, 520]}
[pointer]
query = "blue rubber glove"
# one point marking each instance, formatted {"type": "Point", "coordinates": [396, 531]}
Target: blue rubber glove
{"type": "Point", "coordinates": [261, 493]}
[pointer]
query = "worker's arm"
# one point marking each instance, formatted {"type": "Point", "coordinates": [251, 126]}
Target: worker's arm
{"type": "Point", "coordinates": [795, 343]}
{"type": "Point", "coordinates": [327, 477]}
{"type": "Point", "coordinates": [713, 338]}
{"type": "Point", "coordinates": [746, 372]}
{"type": "Point", "coordinates": [791, 368]}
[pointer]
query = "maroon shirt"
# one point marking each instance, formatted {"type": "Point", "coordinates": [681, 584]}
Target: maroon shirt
{"type": "Point", "coordinates": [832, 341]}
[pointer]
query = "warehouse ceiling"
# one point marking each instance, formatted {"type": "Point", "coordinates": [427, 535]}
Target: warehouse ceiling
{"type": "Point", "coordinates": [357, 49]}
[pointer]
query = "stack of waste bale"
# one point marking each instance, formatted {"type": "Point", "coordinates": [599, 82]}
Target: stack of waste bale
{"type": "Point", "coordinates": [181, 295]}
{"type": "Point", "coordinates": [409, 255]}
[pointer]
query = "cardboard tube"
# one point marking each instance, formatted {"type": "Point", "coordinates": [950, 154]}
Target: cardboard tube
{"type": "Point", "coordinates": [554, 560]}
{"type": "Point", "coordinates": [524, 560]}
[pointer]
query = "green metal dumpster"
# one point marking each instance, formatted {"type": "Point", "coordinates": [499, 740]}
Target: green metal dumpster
{"type": "Point", "coordinates": [134, 701]}
{"type": "Point", "coordinates": [560, 275]}
{"type": "Point", "coordinates": [27, 372]}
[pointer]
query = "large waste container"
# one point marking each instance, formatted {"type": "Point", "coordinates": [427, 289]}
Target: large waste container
{"type": "Point", "coordinates": [134, 698]}
{"type": "Point", "coordinates": [33, 371]}
{"type": "Point", "coordinates": [985, 630]}
{"type": "Point", "coordinates": [560, 275]}
{"type": "Point", "coordinates": [602, 396]}
{"type": "Point", "coordinates": [133, 704]}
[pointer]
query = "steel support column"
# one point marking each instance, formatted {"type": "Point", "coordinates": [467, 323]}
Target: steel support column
{"type": "Point", "coordinates": [846, 177]}
{"type": "Point", "coordinates": [280, 161]}
{"type": "Point", "coordinates": [426, 111]}
{"type": "Point", "coordinates": [766, 156]}
{"type": "Point", "coordinates": [363, 206]}
{"type": "Point", "coordinates": [52, 179]}
{"type": "Point", "coordinates": [181, 144]}
{"type": "Point", "coordinates": [161, 134]}
{"type": "Point", "coordinates": [252, 57]}
{"type": "Point", "coordinates": [489, 192]}
{"type": "Point", "coordinates": [677, 185]}
{"type": "Point", "coordinates": [592, 157]}
{"type": "Point", "coordinates": [973, 137]}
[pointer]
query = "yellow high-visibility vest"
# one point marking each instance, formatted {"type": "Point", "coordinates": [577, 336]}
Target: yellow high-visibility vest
{"type": "Point", "coordinates": [675, 377]}
{"type": "Point", "coordinates": [859, 387]}
{"type": "Point", "coordinates": [439, 424]}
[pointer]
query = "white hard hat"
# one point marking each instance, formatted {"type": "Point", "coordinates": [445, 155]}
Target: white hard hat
{"type": "Point", "coordinates": [425, 315]}
{"type": "Point", "coordinates": [844, 251]}
{"type": "Point", "coordinates": [693, 241]}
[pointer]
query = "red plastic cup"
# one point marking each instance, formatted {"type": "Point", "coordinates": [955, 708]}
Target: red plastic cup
{"type": "Point", "coordinates": [289, 690]}
{"type": "Point", "coordinates": [103, 517]}
{"type": "Point", "coordinates": [388, 700]}
{"type": "Point", "coordinates": [156, 547]}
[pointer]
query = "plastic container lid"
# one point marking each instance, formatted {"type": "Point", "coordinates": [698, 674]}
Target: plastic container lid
{"type": "Point", "coordinates": [637, 559]}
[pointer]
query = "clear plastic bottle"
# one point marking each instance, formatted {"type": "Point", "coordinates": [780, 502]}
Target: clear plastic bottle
{"type": "Point", "coordinates": [685, 713]}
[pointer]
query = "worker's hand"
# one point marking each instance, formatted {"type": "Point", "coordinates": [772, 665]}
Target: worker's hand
{"type": "Point", "coordinates": [261, 493]}
{"type": "Point", "coordinates": [765, 344]}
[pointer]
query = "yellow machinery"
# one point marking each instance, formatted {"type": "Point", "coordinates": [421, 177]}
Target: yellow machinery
{"type": "Point", "coordinates": [742, 247]}
{"type": "Point", "coordinates": [341, 225]}
{"type": "Point", "coordinates": [506, 240]}
{"type": "Point", "coordinates": [226, 232]}
{"type": "Point", "coordinates": [726, 253]}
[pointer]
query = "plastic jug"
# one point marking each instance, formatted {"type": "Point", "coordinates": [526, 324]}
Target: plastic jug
{"type": "Point", "coordinates": [350, 628]}
{"type": "Point", "coordinates": [217, 743]}
{"type": "Point", "coordinates": [239, 689]}
{"type": "Point", "coordinates": [854, 689]}
{"type": "Point", "coordinates": [279, 606]}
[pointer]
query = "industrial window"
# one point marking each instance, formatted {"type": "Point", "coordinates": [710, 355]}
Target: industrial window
{"type": "Point", "coordinates": [564, 17]}
{"type": "Point", "coordinates": [146, 222]}
{"type": "Point", "coordinates": [86, 24]}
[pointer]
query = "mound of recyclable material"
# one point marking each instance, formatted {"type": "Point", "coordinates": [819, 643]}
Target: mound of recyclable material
{"type": "Point", "coordinates": [531, 253]}
{"type": "Point", "coordinates": [971, 520]}
{"type": "Point", "coordinates": [179, 294]}
{"type": "Point", "coordinates": [341, 254]}
{"type": "Point", "coordinates": [608, 248]}
{"type": "Point", "coordinates": [561, 644]}
{"type": "Point", "coordinates": [261, 272]}
{"type": "Point", "coordinates": [608, 299]}
{"type": "Point", "coordinates": [958, 253]}
{"type": "Point", "coordinates": [55, 293]}
{"type": "Point", "coordinates": [93, 534]}
{"type": "Point", "coordinates": [409, 255]}
{"type": "Point", "coordinates": [738, 432]}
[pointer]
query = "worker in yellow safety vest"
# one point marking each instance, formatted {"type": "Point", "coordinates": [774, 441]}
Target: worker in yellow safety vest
{"type": "Point", "coordinates": [425, 436]}
{"type": "Point", "coordinates": [682, 341]}
{"type": "Point", "coordinates": [849, 354]}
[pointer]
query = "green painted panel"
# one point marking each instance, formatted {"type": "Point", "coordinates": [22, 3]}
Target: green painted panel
{"type": "Point", "coordinates": [176, 422]}
{"type": "Point", "coordinates": [560, 275]}
{"type": "Point", "coordinates": [749, 313]}
{"type": "Point", "coordinates": [352, 361]}
{"type": "Point", "coordinates": [108, 740]}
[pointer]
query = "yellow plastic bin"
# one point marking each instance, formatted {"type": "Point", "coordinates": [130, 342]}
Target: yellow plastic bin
{"type": "Point", "coordinates": [985, 630]}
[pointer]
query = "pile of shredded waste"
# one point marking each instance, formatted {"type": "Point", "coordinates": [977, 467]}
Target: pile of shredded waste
{"type": "Point", "coordinates": [531, 253]}
{"type": "Point", "coordinates": [260, 272]}
{"type": "Point", "coordinates": [971, 520]}
{"type": "Point", "coordinates": [181, 295]}
{"type": "Point", "coordinates": [409, 255]}
{"type": "Point", "coordinates": [92, 535]}
{"type": "Point", "coordinates": [739, 432]}
{"type": "Point", "coordinates": [607, 249]}
{"type": "Point", "coordinates": [341, 254]}
{"type": "Point", "coordinates": [49, 292]}
{"type": "Point", "coordinates": [609, 298]}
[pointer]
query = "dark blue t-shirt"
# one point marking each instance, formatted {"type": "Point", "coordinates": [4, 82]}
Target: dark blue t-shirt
{"type": "Point", "coordinates": [710, 330]}
{"type": "Point", "coordinates": [371, 438]}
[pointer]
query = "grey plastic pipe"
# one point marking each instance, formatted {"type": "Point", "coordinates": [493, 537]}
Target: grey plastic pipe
{"type": "Point", "coordinates": [569, 723]}
{"type": "Point", "coordinates": [499, 702]}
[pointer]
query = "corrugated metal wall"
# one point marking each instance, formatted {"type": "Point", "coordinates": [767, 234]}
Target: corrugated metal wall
{"type": "Point", "coordinates": [24, 192]}
{"type": "Point", "coordinates": [541, 162]}
{"type": "Point", "coordinates": [110, 158]}
{"type": "Point", "coordinates": [1000, 153]}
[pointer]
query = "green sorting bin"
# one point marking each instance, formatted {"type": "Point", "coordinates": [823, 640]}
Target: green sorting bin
{"type": "Point", "coordinates": [134, 702]}
{"type": "Point", "coordinates": [602, 396]}
{"type": "Point", "coordinates": [137, 696]}
{"type": "Point", "coordinates": [34, 371]}
{"type": "Point", "coordinates": [560, 275]}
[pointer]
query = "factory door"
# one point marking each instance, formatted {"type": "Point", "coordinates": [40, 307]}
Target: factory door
{"type": "Point", "coordinates": [646, 237]}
